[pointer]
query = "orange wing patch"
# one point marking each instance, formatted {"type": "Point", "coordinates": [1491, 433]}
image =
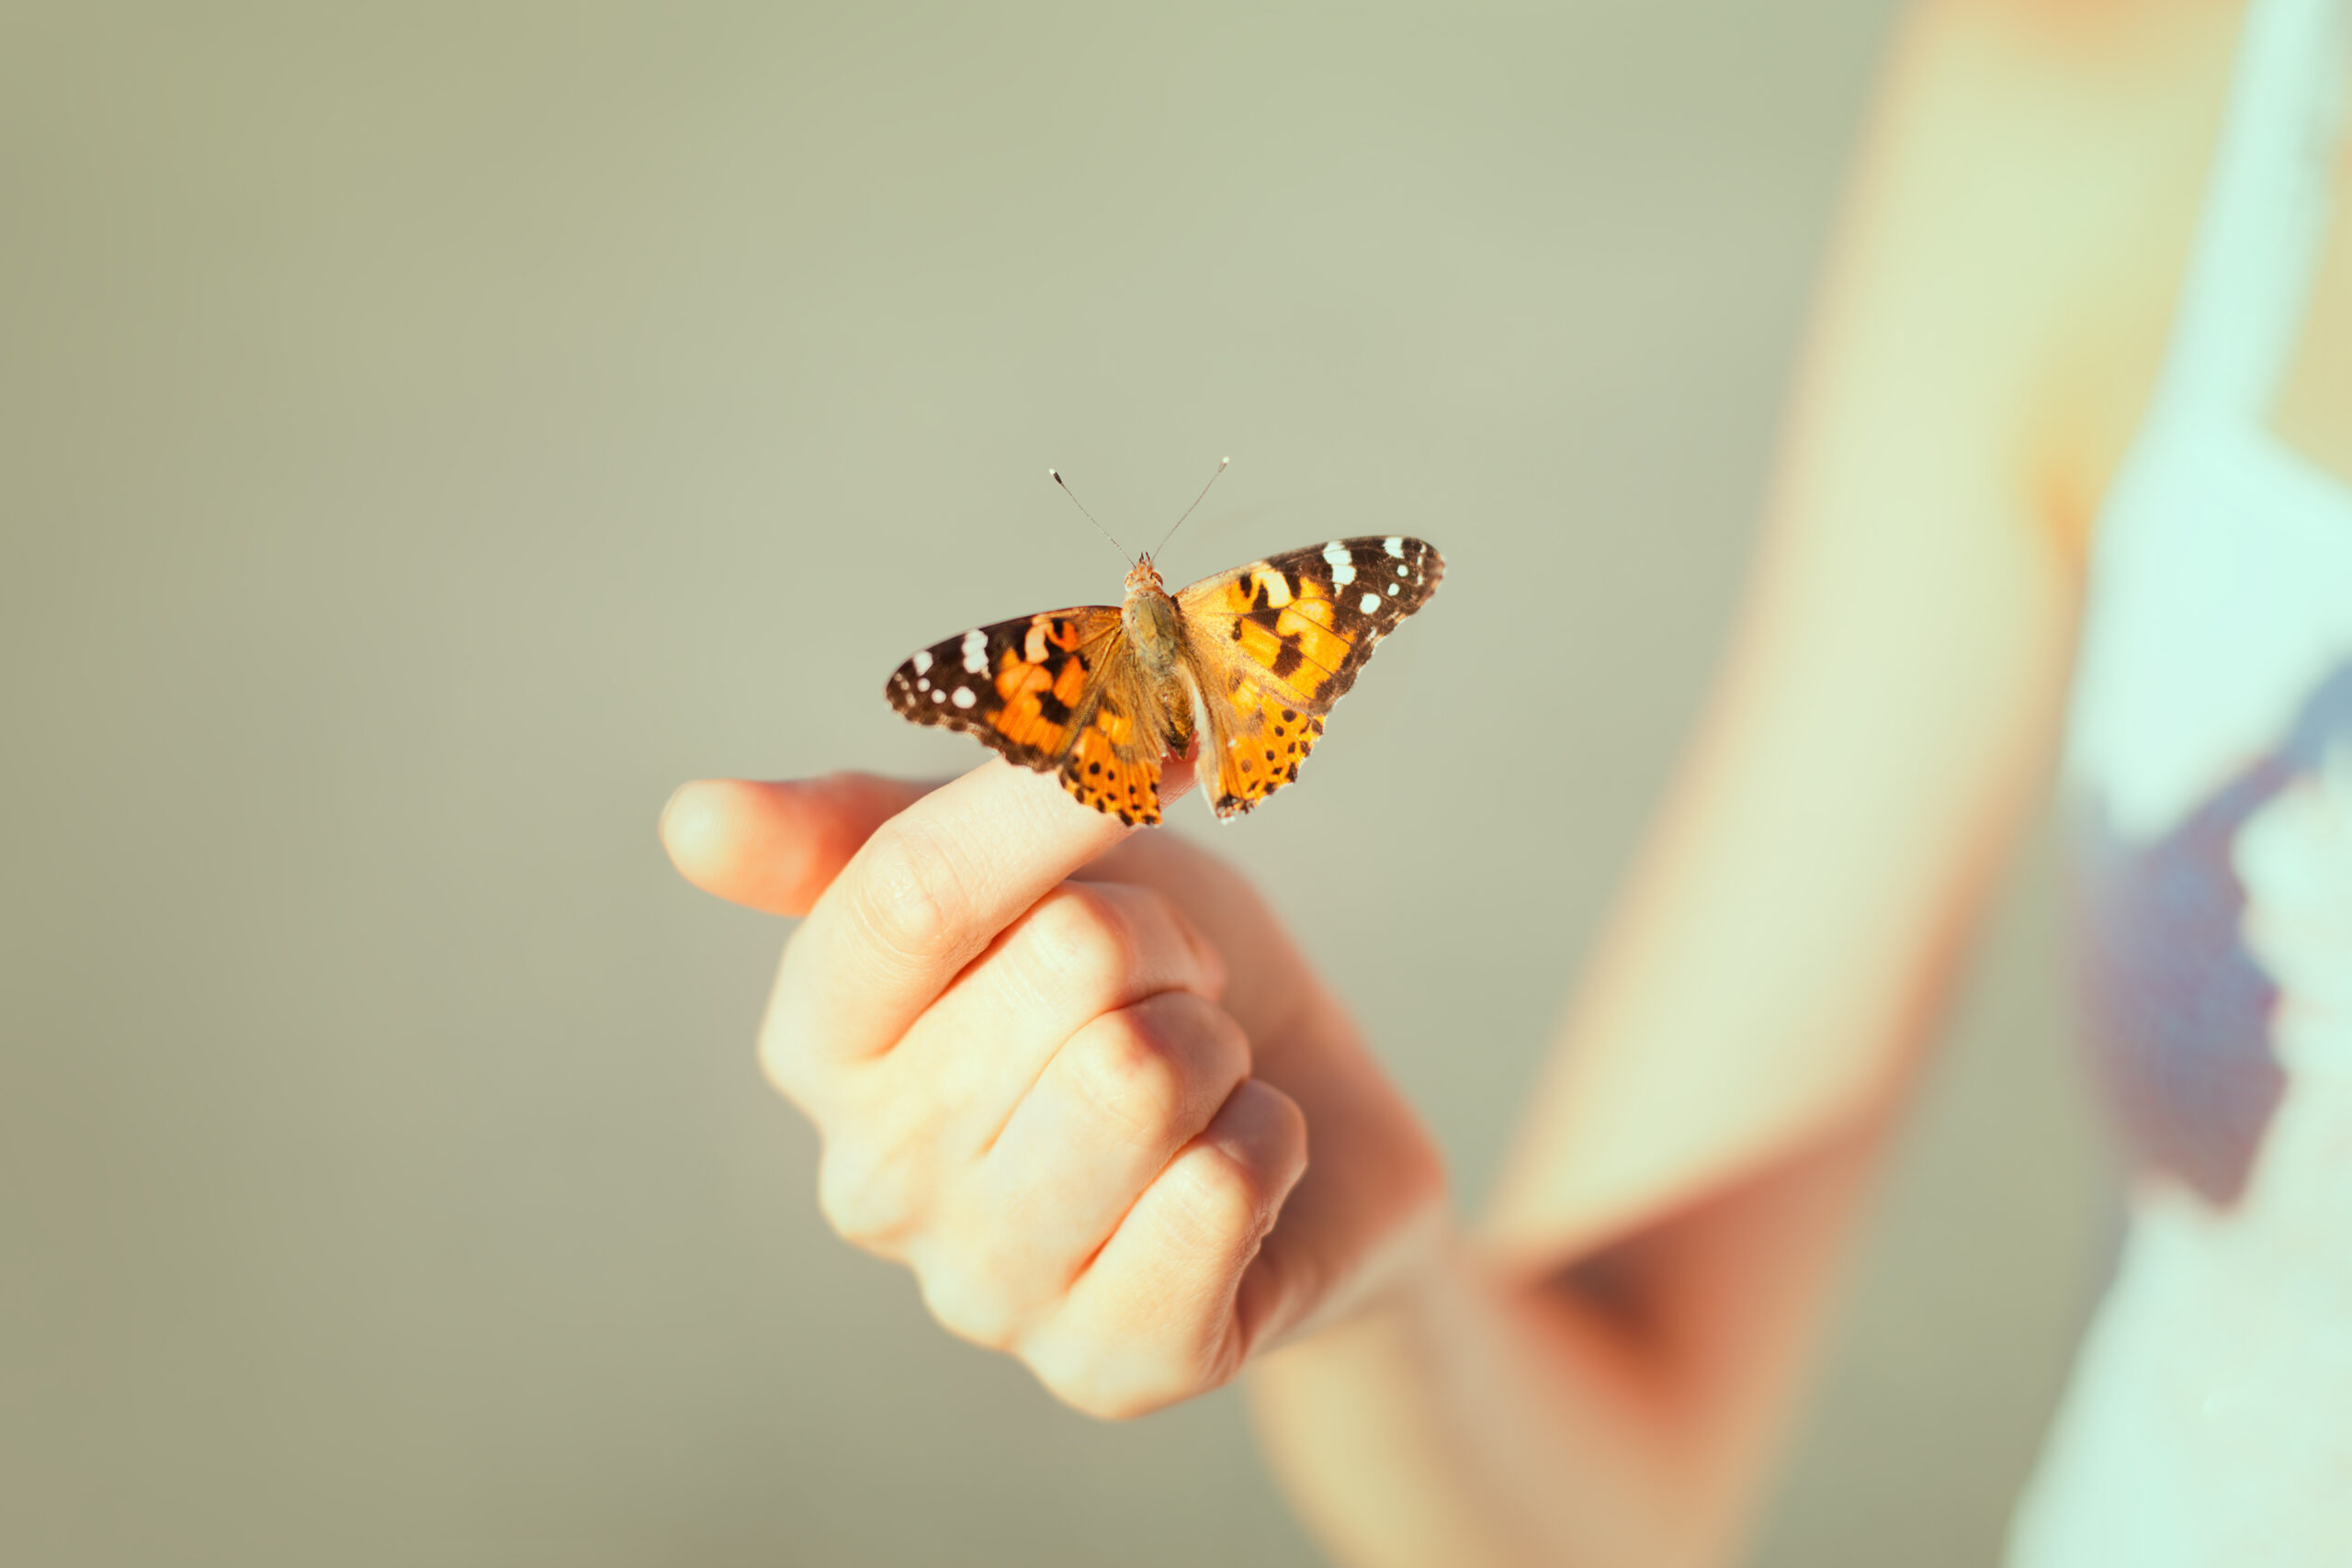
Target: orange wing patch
{"type": "Point", "coordinates": [1041, 686]}
{"type": "Point", "coordinates": [1283, 624]}
{"type": "Point", "coordinates": [1111, 770]}
{"type": "Point", "coordinates": [1263, 743]}
{"type": "Point", "coordinates": [1276, 643]}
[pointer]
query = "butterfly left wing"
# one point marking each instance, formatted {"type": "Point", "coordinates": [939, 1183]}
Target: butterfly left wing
{"type": "Point", "coordinates": [1053, 692]}
{"type": "Point", "coordinates": [1275, 644]}
{"type": "Point", "coordinates": [1019, 686]}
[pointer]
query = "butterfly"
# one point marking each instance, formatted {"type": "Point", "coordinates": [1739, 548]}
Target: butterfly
{"type": "Point", "coordinates": [1098, 693]}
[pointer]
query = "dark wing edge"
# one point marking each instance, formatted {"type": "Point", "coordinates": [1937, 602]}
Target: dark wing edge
{"type": "Point", "coordinates": [1386, 579]}
{"type": "Point", "coordinates": [1018, 686]}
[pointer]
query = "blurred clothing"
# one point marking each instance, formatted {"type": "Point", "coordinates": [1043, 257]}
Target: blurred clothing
{"type": "Point", "coordinates": [2209, 782]}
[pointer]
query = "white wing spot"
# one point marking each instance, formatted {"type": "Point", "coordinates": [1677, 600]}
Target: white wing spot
{"type": "Point", "coordinates": [1343, 567]}
{"type": "Point", "coordinates": [938, 693]}
{"type": "Point", "coordinates": [1369, 603]}
{"type": "Point", "coordinates": [1392, 590]}
{"type": "Point", "coordinates": [921, 661]}
{"type": "Point", "coordinates": [1395, 546]}
{"type": "Point", "coordinates": [976, 653]}
{"type": "Point", "coordinates": [925, 684]}
{"type": "Point", "coordinates": [963, 697]}
{"type": "Point", "coordinates": [1400, 569]}
{"type": "Point", "coordinates": [1276, 586]}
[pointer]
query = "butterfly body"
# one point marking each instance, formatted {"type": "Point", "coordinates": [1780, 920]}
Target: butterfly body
{"type": "Point", "coordinates": [1151, 619]}
{"type": "Point", "coordinates": [1098, 696]}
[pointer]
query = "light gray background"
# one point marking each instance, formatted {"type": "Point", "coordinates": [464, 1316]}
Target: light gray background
{"type": "Point", "coordinates": [427, 435]}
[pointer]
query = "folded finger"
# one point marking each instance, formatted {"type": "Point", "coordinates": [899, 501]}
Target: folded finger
{"type": "Point", "coordinates": [1083, 949]}
{"type": "Point", "coordinates": [1153, 1319]}
{"type": "Point", "coordinates": [922, 896]}
{"type": "Point", "coordinates": [1116, 1103]}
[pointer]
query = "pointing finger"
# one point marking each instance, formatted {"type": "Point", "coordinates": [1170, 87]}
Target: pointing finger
{"type": "Point", "coordinates": [775, 846]}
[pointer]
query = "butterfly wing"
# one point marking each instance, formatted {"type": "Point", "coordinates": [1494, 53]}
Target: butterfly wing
{"type": "Point", "coordinates": [1054, 691]}
{"type": "Point", "coordinates": [1114, 764]}
{"type": "Point", "coordinates": [1275, 644]}
{"type": "Point", "coordinates": [1019, 686]}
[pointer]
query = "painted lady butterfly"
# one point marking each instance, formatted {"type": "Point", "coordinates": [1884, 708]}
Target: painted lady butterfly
{"type": "Point", "coordinates": [1100, 693]}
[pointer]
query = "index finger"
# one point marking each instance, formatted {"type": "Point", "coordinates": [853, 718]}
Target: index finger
{"type": "Point", "coordinates": [776, 844]}
{"type": "Point", "coordinates": [922, 897]}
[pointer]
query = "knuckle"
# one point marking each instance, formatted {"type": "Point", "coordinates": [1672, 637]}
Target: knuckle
{"type": "Point", "coordinates": [784, 1065]}
{"type": "Point", "coordinates": [865, 1200]}
{"type": "Point", "coordinates": [907, 893]}
{"type": "Point", "coordinates": [1127, 1073]}
{"type": "Point", "coordinates": [783, 1046]}
{"type": "Point", "coordinates": [1286, 1123]}
{"type": "Point", "coordinates": [1083, 935]}
{"type": "Point", "coordinates": [1224, 1043]}
{"type": "Point", "coordinates": [779, 1068]}
{"type": "Point", "coordinates": [1112, 1404]}
{"type": "Point", "coordinates": [969, 1305]}
{"type": "Point", "coordinates": [1217, 1203]}
{"type": "Point", "coordinates": [1109, 1384]}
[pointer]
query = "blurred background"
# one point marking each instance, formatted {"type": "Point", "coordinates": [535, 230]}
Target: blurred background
{"type": "Point", "coordinates": [428, 433]}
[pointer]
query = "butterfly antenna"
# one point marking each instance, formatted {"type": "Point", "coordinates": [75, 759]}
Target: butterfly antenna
{"type": "Point", "coordinates": [1221, 463]}
{"type": "Point", "coordinates": [1057, 475]}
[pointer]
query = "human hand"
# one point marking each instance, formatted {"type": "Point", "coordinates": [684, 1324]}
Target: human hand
{"type": "Point", "coordinates": [1068, 1072]}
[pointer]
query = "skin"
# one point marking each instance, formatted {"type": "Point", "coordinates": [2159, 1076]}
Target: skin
{"type": "Point", "coordinates": [1071, 1073]}
{"type": "Point", "coordinates": [1065, 1072]}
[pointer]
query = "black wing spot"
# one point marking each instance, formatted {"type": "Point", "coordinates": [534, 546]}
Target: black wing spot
{"type": "Point", "coordinates": [1262, 609]}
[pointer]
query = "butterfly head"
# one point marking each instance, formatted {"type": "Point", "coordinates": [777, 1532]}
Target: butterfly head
{"type": "Point", "coordinates": [1145, 579]}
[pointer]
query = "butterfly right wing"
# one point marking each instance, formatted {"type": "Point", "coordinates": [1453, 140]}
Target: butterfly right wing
{"type": "Point", "coordinates": [1030, 688]}
{"type": "Point", "coordinates": [1275, 644]}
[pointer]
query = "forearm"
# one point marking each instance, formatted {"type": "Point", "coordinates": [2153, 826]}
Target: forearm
{"type": "Point", "coordinates": [1621, 1413]}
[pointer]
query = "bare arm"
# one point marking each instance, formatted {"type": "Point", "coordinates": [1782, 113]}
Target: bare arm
{"type": "Point", "coordinates": [1596, 1375]}
{"type": "Point", "coordinates": [1079, 1081]}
